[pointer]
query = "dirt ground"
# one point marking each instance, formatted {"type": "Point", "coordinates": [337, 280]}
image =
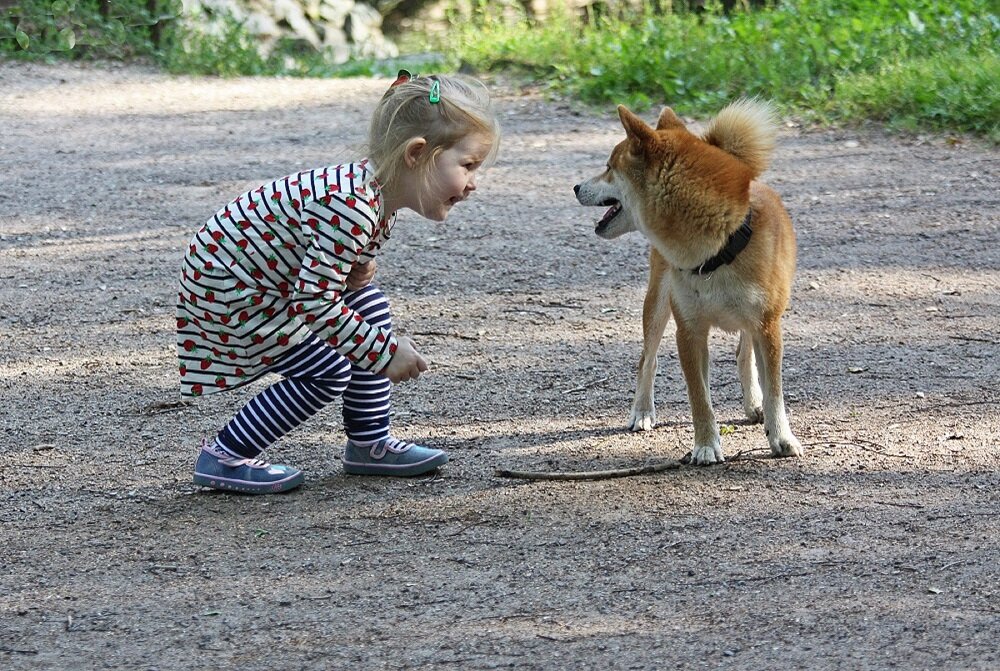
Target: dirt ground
{"type": "Point", "coordinates": [879, 549]}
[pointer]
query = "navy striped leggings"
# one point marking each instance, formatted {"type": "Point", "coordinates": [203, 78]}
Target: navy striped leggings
{"type": "Point", "coordinates": [315, 374]}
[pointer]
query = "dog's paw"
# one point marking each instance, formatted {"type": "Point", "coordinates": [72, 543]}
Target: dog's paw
{"type": "Point", "coordinates": [754, 413]}
{"type": "Point", "coordinates": [641, 420]}
{"type": "Point", "coordinates": [787, 447]}
{"type": "Point", "coordinates": [705, 455]}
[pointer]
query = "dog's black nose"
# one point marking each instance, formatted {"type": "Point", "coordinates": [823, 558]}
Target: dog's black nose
{"type": "Point", "coordinates": [576, 189]}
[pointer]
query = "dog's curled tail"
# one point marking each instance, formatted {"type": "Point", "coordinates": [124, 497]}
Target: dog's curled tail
{"type": "Point", "coordinates": [746, 129]}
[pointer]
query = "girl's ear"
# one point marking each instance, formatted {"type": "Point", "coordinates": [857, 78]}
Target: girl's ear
{"type": "Point", "coordinates": [414, 149]}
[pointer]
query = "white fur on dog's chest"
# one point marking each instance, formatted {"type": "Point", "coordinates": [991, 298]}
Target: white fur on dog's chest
{"type": "Point", "coordinates": [726, 305]}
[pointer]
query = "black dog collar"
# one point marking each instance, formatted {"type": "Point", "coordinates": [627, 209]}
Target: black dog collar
{"type": "Point", "coordinates": [734, 245]}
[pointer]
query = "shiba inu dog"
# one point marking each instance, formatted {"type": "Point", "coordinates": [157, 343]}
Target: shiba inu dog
{"type": "Point", "coordinates": [722, 255]}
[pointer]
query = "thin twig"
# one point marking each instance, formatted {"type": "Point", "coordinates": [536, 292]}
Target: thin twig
{"type": "Point", "coordinates": [878, 450]}
{"type": "Point", "coordinates": [744, 578]}
{"type": "Point", "coordinates": [739, 456]}
{"type": "Point", "coordinates": [443, 334]}
{"type": "Point", "coordinates": [950, 564]}
{"type": "Point", "coordinates": [589, 475]}
{"type": "Point", "coordinates": [511, 616]}
{"type": "Point", "coordinates": [970, 338]}
{"type": "Point", "coordinates": [614, 473]}
{"type": "Point", "coordinates": [164, 406]}
{"type": "Point", "coordinates": [898, 504]}
{"type": "Point", "coordinates": [469, 526]}
{"type": "Point", "coordinates": [18, 651]}
{"type": "Point", "coordinates": [586, 386]}
{"type": "Point", "coordinates": [955, 404]}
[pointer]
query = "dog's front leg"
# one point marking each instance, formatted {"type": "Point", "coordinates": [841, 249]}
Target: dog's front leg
{"type": "Point", "coordinates": [655, 315]}
{"type": "Point", "coordinates": [692, 349]}
{"type": "Point", "coordinates": [768, 347]}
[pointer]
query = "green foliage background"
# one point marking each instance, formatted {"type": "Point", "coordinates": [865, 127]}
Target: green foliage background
{"type": "Point", "coordinates": [49, 29]}
{"type": "Point", "coordinates": [914, 64]}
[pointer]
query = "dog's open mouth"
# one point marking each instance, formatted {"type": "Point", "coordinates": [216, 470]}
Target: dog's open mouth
{"type": "Point", "coordinates": [613, 211]}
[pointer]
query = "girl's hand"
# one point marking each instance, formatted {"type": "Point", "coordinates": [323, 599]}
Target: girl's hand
{"type": "Point", "coordinates": [361, 275]}
{"type": "Point", "coordinates": [406, 363]}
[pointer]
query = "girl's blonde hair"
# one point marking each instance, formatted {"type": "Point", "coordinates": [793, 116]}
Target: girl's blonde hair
{"type": "Point", "coordinates": [463, 108]}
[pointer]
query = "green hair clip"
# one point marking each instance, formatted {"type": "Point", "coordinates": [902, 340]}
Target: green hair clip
{"type": "Point", "coordinates": [435, 95]}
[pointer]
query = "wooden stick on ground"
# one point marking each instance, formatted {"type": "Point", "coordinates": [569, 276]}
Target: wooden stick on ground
{"type": "Point", "coordinates": [614, 473]}
{"type": "Point", "coordinates": [589, 475]}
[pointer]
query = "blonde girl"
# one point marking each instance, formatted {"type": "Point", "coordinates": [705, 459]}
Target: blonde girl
{"type": "Point", "coordinates": [280, 281]}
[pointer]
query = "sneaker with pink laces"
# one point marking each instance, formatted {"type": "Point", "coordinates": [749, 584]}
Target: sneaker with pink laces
{"type": "Point", "coordinates": [218, 469]}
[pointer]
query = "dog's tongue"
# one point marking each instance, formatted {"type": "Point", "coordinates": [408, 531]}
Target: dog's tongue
{"type": "Point", "coordinates": [610, 214]}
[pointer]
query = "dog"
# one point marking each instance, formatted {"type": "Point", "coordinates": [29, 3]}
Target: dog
{"type": "Point", "coordinates": [722, 255]}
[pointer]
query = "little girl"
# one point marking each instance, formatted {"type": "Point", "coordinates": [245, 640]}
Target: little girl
{"type": "Point", "coordinates": [279, 281]}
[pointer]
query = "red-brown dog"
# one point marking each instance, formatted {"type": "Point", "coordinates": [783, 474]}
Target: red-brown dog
{"type": "Point", "coordinates": [723, 255]}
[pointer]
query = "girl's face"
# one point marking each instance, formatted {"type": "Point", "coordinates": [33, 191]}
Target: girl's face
{"type": "Point", "coordinates": [451, 178]}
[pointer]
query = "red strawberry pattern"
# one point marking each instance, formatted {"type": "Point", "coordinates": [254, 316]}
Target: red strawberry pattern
{"type": "Point", "coordinates": [274, 280]}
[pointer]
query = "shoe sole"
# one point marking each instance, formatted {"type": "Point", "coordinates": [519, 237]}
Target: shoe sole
{"type": "Point", "coordinates": [396, 470]}
{"type": "Point", "coordinates": [244, 487]}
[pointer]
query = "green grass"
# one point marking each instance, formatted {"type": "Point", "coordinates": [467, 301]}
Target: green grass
{"type": "Point", "coordinates": [944, 92]}
{"type": "Point", "coordinates": [917, 64]}
{"type": "Point", "coordinates": [914, 64]}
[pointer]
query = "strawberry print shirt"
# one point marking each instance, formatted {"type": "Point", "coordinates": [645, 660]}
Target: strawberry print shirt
{"type": "Point", "coordinates": [270, 268]}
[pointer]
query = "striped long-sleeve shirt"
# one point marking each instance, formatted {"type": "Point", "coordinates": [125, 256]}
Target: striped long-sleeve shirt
{"type": "Point", "coordinates": [271, 267]}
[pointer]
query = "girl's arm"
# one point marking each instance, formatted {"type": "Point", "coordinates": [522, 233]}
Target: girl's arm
{"type": "Point", "coordinates": [340, 226]}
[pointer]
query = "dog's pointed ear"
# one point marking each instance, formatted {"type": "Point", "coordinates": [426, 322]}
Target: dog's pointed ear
{"type": "Point", "coordinates": [635, 128]}
{"type": "Point", "coordinates": [668, 120]}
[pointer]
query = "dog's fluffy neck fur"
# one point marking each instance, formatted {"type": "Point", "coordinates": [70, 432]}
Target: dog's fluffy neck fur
{"type": "Point", "coordinates": [684, 211]}
{"type": "Point", "coordinates": [738, 144]}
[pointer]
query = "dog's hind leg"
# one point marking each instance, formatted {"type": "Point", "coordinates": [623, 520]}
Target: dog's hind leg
{"type": "Point", "coordinates": [768, 347]}
{"type": "Point", "coordinates": [692, 349]}
{"type": "Point", "coordinates": [752, 397]}
{"type": "Point", "coordinates": [655, 315]}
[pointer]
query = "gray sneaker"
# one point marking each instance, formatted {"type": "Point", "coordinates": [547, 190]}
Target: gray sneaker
{"type": "Point", "coordinates": [390, 456]}
{"type": "Point", "coordinates": [219, 470]}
